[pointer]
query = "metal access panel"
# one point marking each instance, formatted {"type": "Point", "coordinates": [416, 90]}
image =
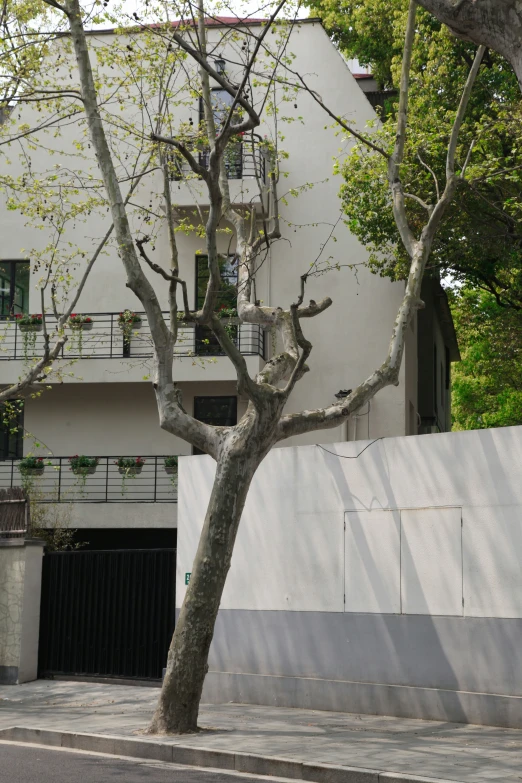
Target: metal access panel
{"type": "Point", "coordinates": [372, 561]}
{"type": "Point", "coordinates": [431, 561]}
{"type": "Point", "coordinates": [107, 613]}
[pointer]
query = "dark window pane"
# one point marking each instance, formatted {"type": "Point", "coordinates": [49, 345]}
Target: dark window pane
{"type": "Point", "coordinates": [11, 435]}
{"type": "Point", "coordinates": [14, 287]}
{"type": "Point", "coordinates": [5, 287]}
{"type": "Point", "coordinates": [218, 411]}
{"type": "Point", "coordinates": [227, 294]}
{"type": "Point", "coordinates": [21, 287]}
{"type": "Point", "coordinates": [206, 343]}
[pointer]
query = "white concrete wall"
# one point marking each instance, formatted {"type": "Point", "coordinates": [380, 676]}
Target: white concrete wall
{"type": "Point", "coordinates": [433, 527]}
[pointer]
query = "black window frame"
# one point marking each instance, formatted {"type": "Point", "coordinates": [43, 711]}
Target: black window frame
{"type": "Point", "coordinates": [12, 287]}
{"type": "Point", "coordinates": [229, 422]}
{"type": "Point", "coordinates": [12, 443]}
{"type": "Point", "coordinates": [206, 344]}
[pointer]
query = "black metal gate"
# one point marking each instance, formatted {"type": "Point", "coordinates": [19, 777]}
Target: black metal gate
{"type": "Point", "coordinates": [107, 613]}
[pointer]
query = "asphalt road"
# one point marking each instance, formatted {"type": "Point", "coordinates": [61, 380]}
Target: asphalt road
{"type": "Point", "coordinates": [30, 764]}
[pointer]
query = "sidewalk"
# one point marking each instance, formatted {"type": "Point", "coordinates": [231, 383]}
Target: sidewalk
{"type": "Point", "coordinates": [442, 751]}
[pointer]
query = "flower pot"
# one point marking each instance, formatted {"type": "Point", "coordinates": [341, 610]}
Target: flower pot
{"type": "Point", "coordinates": [131, 327]}
{"type": "Point", "coordinates": [31, 471]}
{"type": "Point", "coordinates": [134, 471]}
{"type": "Point", "coordinates": [84, 471]}
{"type": "Point", "coordinates": [30, 327]}
{"type": "Point", "coordinates": [171, 471]}
{"type": "Point", "coordinates": [84, 327]}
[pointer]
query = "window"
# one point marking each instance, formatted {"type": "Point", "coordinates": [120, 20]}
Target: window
{"type": "Point", "coordinates": [11, 435]}
{"type": "Point", "coordinates": [221, 102]}
{"type": "Point", "coordinates": [442, 386]}
{"type": "Point", "coordinates": [218, 411]}
{"type": "Point", "coordinates": [14, 287]}
{"type": "Point", "coordinates": [206, 342]}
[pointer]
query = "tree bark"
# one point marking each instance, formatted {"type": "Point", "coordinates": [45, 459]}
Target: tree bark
{"type": "Point", "coordinates": [178, 705]}
{"type": "Point", "coordinates": [496, 24]}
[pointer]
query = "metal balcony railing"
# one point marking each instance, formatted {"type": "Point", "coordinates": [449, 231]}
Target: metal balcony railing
{"type": "Point", "coordinates": [242, 160]}
{"type": "Point", "coordinates": [59, 484]}
{"type": "Point", "coordinates": [104, 339]}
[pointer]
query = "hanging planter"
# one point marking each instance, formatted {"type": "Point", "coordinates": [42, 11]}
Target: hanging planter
{"type": "Point", "coordinates": [29, 326]}
{"type": "Point", "coordinates": [82, 465]}
{"type": "Point", "coordinates": [230, 318]}
{"type": "Point", "coordinates": [130, 466]}
{"type": "Point", "coordinates": [31, 466]}
{"type": "Point", "coordinates": [128, 323]}
{"type": "Point", "coordinates": [79, 324]}
{"type": "Point", "coordinates": [171, 466]}
{"type": "Point", "coordinates": [128, 318]}
{"type": "Point", "coordinates": [33, 325]}
{"type": "Point", "coordinates": [79, 321]}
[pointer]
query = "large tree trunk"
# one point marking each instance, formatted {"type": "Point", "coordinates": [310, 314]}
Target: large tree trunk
{"type": "Point", "coordinates": [178, 706]}
{"type": "Point", "coordinates": [493, 23]}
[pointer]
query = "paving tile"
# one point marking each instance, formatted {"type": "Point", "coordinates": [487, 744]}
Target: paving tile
{"type": "Point", "coordinates": [436, 749]}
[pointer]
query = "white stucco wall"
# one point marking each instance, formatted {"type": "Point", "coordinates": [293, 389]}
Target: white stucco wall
{"type": "Point", "coordinates": [433, 527]}
{"type": "Point", "coordinates": [20, 588]}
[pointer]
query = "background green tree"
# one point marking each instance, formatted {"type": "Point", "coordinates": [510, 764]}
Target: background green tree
{"type": "Point", "coordinates": [487, 383]}
{"type": "Point", "coordinates": [479, 246]}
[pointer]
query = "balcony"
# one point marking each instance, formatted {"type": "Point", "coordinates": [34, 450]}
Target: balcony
{"type": "Point", "coordinates": [245, 165]}
{"type": "Point", "coordinates": [104, 339]}
{"type": "Point", "coordinates": [58, 484]}
{"type": "Point", "coordinates": [241, 161]}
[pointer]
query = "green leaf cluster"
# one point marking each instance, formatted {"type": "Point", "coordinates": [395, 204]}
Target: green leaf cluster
{"type": "Point", "coordinates": [479, 242]}
{"type": "Point", "coordinates": [487, 383]}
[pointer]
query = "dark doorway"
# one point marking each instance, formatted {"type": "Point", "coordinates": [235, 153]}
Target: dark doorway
{"type": "Point", "coordinates": [107, 613]}
{"type": "Point", "coordinates": [126, 538]}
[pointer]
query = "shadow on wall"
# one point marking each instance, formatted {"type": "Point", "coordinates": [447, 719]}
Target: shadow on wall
{"type": "Point", "coordinates": [283, 608]}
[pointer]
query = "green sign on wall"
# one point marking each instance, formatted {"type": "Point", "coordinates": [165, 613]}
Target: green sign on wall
{"type": "Point", "coordinates": [187, 577]}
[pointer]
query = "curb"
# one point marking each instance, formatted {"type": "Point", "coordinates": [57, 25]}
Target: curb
{"type": "Point", "coordinates": [204, 757]}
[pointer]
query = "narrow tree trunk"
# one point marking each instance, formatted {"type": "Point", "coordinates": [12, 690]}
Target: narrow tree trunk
{"type": "Point", "coordinates": [178, 706]}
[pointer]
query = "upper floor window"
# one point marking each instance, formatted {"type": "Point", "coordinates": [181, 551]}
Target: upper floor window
{"type": "Point", "coordinates": [206, 342]}
{"type": "Point", "coordinates": [14, 287]}
{"type": "Point", "coordinates": [11, 434]}
{"type": "Point", "coordinates": [227, 293]}
{"type": "Point", "coordinates": [218, 411]}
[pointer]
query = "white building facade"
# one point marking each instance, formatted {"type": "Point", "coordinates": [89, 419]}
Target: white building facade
{"type": "Point", "coordinates": [103, 404]}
